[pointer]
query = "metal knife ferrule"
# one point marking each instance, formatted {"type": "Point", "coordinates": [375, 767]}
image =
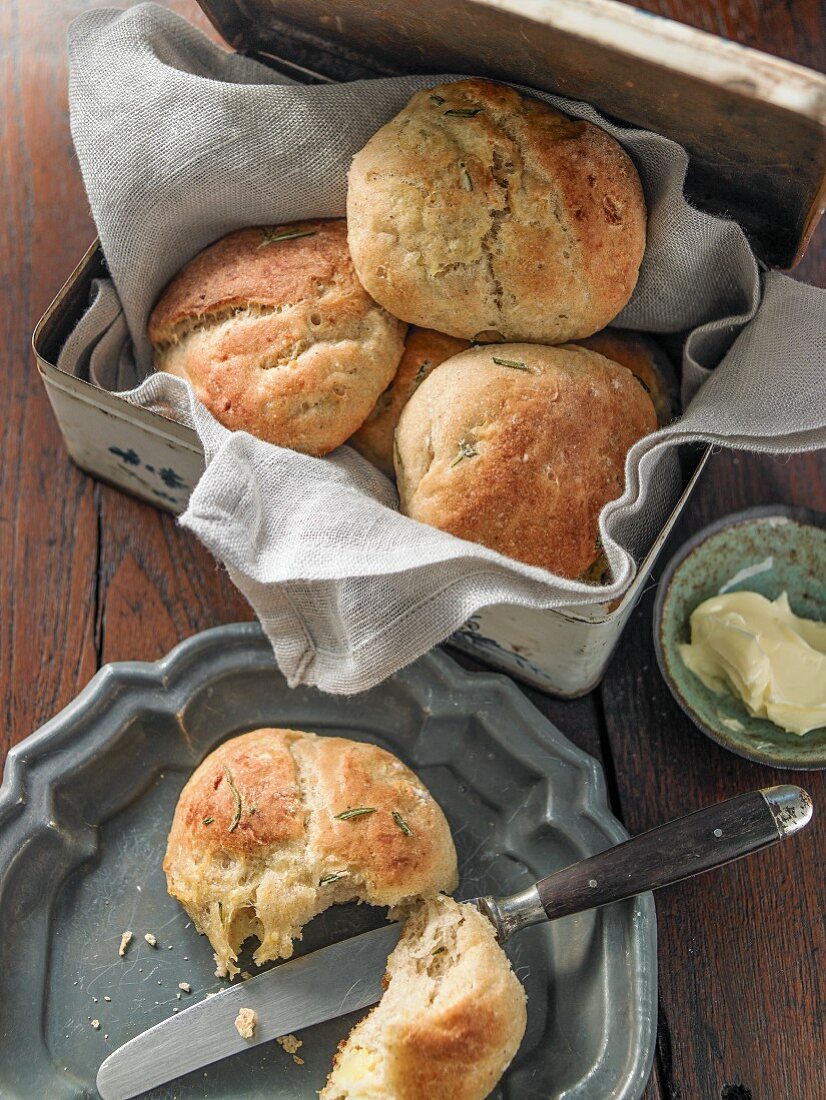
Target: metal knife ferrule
{"type": "Point", "coordinates": [509, 914]}
{"type": "Point", "coordinates": [791, 807]}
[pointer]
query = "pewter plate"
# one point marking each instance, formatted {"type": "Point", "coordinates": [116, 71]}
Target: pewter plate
{"type": "Point", "coordinates": [86, 803]}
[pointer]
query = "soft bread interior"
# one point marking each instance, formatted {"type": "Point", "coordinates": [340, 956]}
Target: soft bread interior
{"type": "Point", "coordinates": [295, 849]}
{"type": "Point", "coordinates": [450, 1021]}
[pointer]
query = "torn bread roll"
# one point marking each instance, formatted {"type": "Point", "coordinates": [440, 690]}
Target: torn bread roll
{"type": "Point", "coordinates": [276, 825]}
{"type": "Point", "coordinates": [450, 1021]}
{"type": "Point", "coordinates": [277, 336]}
{"type": "Point", "coordinates": [487, 214]}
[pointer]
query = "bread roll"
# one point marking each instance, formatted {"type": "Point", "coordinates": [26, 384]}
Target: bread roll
{"type": "Point", "coordinates": [277, 336]}
{"type": "Point", "coordinates": [488, 215]}
{"type": "Point", "coordinates": [448, 1025]}
{"type": "Point", "coordinates": [423, 350]}
{"type": "Point", "coordinates": [519, 447]}
{"type": "Point", "coordinates": [277, 825]}
{"type": "Point", "coordinates": [644, 357]}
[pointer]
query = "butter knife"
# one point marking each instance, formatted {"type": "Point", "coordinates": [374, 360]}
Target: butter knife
{"type": "Point", "coordinates": [348, 975]}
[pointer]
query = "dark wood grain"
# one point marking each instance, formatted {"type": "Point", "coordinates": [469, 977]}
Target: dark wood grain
{"type": "Point", "coordinates": [156, 582]}
{"type": "Point", "coordinates": [743, 985]}
{"type": "Point", "coordinates": [48, 511]}
{"type": "Point", "coordinates": [89, 575]}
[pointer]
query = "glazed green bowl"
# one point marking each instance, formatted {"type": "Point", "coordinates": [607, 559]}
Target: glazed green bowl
{"type": "Point", "coordinates": [769, 550]}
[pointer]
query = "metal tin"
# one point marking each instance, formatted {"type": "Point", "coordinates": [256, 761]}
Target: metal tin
{"type": "Point", "coordinates": [721, 97]}
{"type": "Point", "coordinates": [563, 651]}
{"type": "Point", "coordinates": [141, 452]}
{"type": "Point", "coordinates": [86, 803]}
{"type": "Point", "coordinates": [754, 125]}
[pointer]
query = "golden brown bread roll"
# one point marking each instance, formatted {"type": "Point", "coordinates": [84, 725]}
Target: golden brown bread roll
{"type": "Point", "coordinates": [519, 447]}
{"type": "Point", "coordinates": [644, 357]}
{"type": "Point", "coordinates": [486, 214]}
{"type": "Point", "coordinates": [450, 1021]}
{"type": "Point", "coordinates": [277, 825]}
{"type": "Point", "coordinates": [277, 335]}
{"type": "Point", "coordinates": [424, 349]}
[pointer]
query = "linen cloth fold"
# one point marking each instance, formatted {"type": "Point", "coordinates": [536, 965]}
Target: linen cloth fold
{"type": "Point", "coordinates": [180, 142]}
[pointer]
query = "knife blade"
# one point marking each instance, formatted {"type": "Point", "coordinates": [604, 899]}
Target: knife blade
{"type": "Point", "coordinates": [348, 975]}
{"type": "Point", "coordinates": [319, 986]}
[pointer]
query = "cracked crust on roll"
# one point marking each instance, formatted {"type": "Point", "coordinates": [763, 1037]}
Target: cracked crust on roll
{"type": "Point", "coordinates": [258, 845]}
{"type": "Point", "coordinates": [486, 214]}
{"type": "Point", "coordinates": [451, 1019]}
{"type": "Point", "coordinates": [424, 350]}
{"type": "Point", "coordinates": [277, 336]}
{"type": "Point", "coordinates": [522, 454]}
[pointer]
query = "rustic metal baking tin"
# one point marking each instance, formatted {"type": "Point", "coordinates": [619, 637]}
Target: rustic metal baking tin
{"type": "Point", "coordinates": [562, 651]}
{"type": "Point", "coordinates": [84, 810]}
{"type": "Point", "coordinates": [144, 453]}
{"type": "Point", "coordinates": [755, 127]}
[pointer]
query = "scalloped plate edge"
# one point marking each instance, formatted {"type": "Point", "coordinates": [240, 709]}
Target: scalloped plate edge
{"type": "Point", "coordinates": [21, 777]}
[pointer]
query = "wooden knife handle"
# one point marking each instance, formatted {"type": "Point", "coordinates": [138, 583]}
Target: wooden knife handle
{"type": "Point", "coordinates": [677, 850]}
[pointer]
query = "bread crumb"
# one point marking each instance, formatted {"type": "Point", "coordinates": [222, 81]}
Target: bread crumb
{"type": "Point", "coordinates": [150, 939]}
{"type": "Point", "coordinates": [125, 940]}
{"type": "Point", "coordinates": [245, 1023]}
{"type": "Point", "coordinates": [298, 1061]}
{"type": "Point", "coordinates": [289, 1043]}
{"type": "Point", "coordinates": [95, 1024]}
{"type": "Point", "coordinates": [185, 986]}
{"type": "Point", "coordinates": [245, 975]}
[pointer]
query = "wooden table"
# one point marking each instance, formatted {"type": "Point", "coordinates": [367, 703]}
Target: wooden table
{"type": "Point", "coordinates": [88, 575]}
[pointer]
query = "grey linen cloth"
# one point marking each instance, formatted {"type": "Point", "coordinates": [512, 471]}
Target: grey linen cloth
{"type": "Point", "coordinates": [180, 142]}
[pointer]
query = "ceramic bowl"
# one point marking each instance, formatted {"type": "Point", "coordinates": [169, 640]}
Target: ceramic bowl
{"type": "Point", "coordinates": [768, 550]}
